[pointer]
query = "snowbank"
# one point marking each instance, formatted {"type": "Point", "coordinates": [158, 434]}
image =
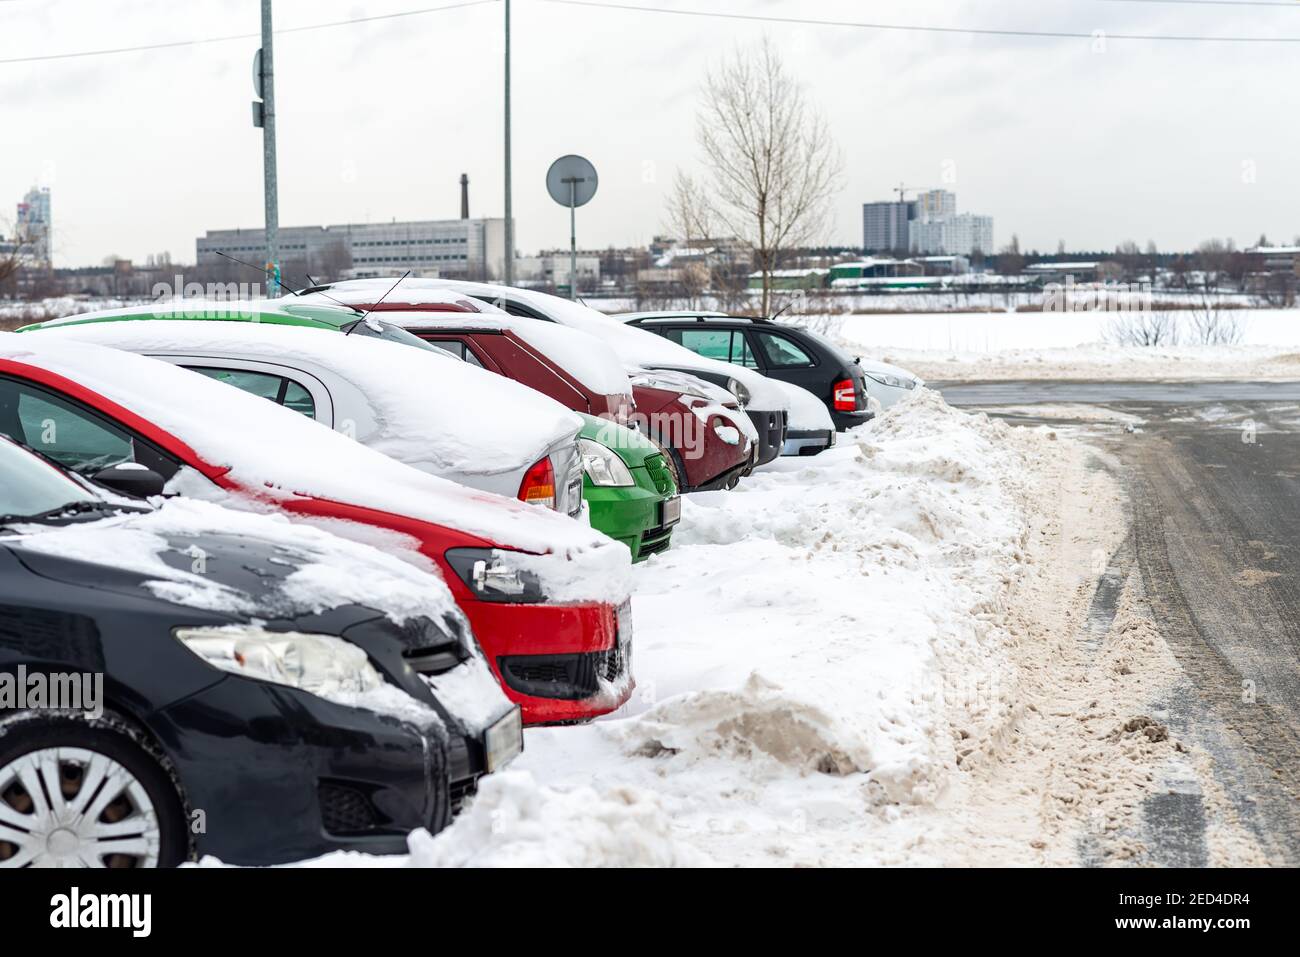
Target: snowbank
{"type": "Point", "coordinates": [816, 657]}
{"type": "Point", "coordinates": [984, 346]}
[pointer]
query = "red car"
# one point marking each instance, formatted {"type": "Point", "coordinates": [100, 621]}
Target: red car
{"type": "Point", "coordinates": [545, 595]}
{"type": "Point", "coordinates": [707, 439]}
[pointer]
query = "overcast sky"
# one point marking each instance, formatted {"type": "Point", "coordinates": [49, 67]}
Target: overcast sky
{"type": "Point", "coordinates": [1171, 142]}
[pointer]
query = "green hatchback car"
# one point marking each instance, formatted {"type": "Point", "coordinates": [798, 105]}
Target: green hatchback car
{"type": "Point", "coordinates": [626, 482]}
{"type": "Point", "coordinates": [628, 486]}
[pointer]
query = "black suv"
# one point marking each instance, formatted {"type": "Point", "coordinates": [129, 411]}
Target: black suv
{"type": "Point", "coordinates": [154, 710]}
{"type": "Point", "coordinates": [776, 349]}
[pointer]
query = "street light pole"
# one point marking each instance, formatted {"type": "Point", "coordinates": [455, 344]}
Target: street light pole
{"type": "Point", "coordinates": [271, 180]}
{"type": "Point", "coordinates": [510, 223]}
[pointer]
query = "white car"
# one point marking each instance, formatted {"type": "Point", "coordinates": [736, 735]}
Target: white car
{"type": "Point", "coordinates": [767, 406]}
{"type": "Point", "coordinates": [418, 405]}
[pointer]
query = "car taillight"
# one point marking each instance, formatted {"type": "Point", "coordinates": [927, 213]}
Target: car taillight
{"type": "Point", "coordinates": [538, 486]}
{"type": "Point", "coordinates": [845, 396]}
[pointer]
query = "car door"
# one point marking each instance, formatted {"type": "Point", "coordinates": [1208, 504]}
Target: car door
{"type": "Point", "coordinates": [782, 357]}
{"type": "Point", "coordinates": [72, 433]}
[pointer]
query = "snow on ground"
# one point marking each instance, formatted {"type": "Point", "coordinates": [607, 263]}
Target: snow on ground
{"type": "Point", "coordinates": [985, 346]}
{"type": "Point", "coordinates": [817, 657]}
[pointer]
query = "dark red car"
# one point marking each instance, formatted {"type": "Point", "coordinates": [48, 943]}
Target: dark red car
{"type": "Point", "coordinates": [707, 439]}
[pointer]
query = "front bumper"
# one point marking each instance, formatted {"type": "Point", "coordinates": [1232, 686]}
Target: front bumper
{"type": "Point", "coordinates": [633, 515]}
{"type": "Point", "coordinates": [280, 775]}
{"type": "Point", "coordinates": [515, 637]}
{"type": "Point", "coordinates": [772, 427]}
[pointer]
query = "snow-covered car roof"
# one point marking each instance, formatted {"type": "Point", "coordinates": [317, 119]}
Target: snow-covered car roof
{"type": "Point", "coordinates": [634, 346]}
{"type": "Point", "coordinates": [596, 365]}
{"type": "Point", "coordinates": [427, 409]}
{"type": "Point", "coordinates": [282, 454]}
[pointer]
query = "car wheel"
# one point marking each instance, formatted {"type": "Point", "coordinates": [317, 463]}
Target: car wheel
{"type": "Point", "coordinates": [675, 466]}
{"type": "Point", "coordinates": [80, 791]}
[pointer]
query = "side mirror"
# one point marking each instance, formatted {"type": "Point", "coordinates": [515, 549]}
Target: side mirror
{"type": "Point", "coordinates": [130, 478]}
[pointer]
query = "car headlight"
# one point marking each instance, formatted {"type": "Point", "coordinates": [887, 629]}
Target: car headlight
{"type": "Point", "coordinates": [603, 466]}
{"type": "Point", "coordinates": [893, 381]}
{"type": "Point", "coordinates": [320, 664]}
{"type": "Point", "coordinates": [487, 573]}
{"type": "Point", "coordinates": [739, 391]}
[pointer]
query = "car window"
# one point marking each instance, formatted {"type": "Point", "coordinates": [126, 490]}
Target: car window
{"type": "Point", "coordinates": [725, 345]}
{"type": "Point", "coordinates": [458, 349]}
{"type": "Point", "coordinates": [782, 352]}
{"type": "Point", "coordinates": [297, 398]}
{"type": "Point", "coordinates": [741, 354]}
{"type": "Point", "coordinates": [265, 385]}
{"type": "Point", "coordinates": [71, 434]}
{"type": "Point", "coordinates": [710, 343]}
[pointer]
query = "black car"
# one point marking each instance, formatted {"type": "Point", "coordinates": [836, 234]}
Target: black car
{"type": "Point", "coordinates": [234, 717]}
{"type": "Point", "coordinates": [776, 349]}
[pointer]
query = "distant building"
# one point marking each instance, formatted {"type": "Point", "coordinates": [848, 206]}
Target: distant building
{"type": "Point", "coordinates": [936, 204]}
{"type": "Point", "coordinates": [929, 225]}
{"type": "Point", "coordinates": [453, 248]}
{"type": "Point", "coordinates": [551, 270]}
{"type": "Point", "coordinates": [33, 227]}
{"type": "Point", "coordinates": [955, 235]}
{"type": "Point", "coordinates": [885, 226]}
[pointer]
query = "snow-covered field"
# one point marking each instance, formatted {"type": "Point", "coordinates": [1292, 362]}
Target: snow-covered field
{"type": "Point", "coordinates": [941, 347]}
{"type": "Point", "coordinates": [829, 664]}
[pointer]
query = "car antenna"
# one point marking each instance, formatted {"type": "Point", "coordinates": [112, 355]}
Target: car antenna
{"type": "Point", "coordinates": [780, 312]}
{"type": "Point", "coordinates": [367, 313]}
{"type": "Point", "coordinates": [268, 272]}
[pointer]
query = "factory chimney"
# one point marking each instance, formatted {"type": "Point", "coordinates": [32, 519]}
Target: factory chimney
{"type": "Point", "coordinates": [464, 196]}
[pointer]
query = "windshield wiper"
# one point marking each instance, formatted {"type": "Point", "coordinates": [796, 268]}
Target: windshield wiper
{"type": "Point", "coordinates": [71, 508]}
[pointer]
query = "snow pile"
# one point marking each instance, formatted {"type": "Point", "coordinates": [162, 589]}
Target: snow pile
{"type": "Point", "coordinates": [817, 650]}
{"type": "Point", "coordinates": [515, 822]}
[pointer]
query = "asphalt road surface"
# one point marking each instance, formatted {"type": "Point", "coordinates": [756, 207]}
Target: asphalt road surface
{"type": "Point", "coordinates": [1213, 477]}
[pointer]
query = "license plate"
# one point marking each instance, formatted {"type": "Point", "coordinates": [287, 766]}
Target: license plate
{"type": "Point", "coordinates": [672, 511]}
{"type": "Point", "coordinates": [503, 742]}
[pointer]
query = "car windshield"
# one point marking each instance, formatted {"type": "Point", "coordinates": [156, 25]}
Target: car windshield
{"type": "Point", "coordinates": [31, 487]}
{"type": "Point", "coordinates": [375, 329]}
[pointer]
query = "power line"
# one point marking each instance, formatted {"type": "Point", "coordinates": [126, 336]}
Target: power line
{"type": "Point", "coordinates": [912, 28]}
{"type": "Point", "coordinates": [243, 36]}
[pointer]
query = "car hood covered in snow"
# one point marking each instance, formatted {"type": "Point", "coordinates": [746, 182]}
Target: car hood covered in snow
{"type": "Point", "coordinates": [276, 453]}
{"type": "Point", "coordinates": [633, 346]}
{"type": "Point", "coordinates": [431, 411]}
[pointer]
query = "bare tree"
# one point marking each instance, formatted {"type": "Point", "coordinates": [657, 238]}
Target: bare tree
{"type": "Point", "coordinates": [691, 219]}
{"type": "Point", "coordinates": [13, 253]}
{"type": "Point", "coordinates": [1144, 328]}
{"type": "Point", "coordinates": [772, 165]}
{"type": "Point", "coordinates": [1215, 263]}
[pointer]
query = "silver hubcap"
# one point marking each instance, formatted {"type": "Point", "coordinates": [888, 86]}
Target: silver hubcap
{"type": "Point", "coordinates": [70, 807]}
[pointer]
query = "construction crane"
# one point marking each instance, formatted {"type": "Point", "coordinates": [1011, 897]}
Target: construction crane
{"type": "Point", "coordinates": [900, 189]}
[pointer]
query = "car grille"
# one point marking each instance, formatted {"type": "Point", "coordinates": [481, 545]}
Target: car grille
{"type": "Point", "coordinates": [345, 810]}
{"type": "Point", "coordinates": [564, 677]}
{"type": "Point", "coordinates": [657, 467]}
{"type": "Point", "coordinates": [656, 540]}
